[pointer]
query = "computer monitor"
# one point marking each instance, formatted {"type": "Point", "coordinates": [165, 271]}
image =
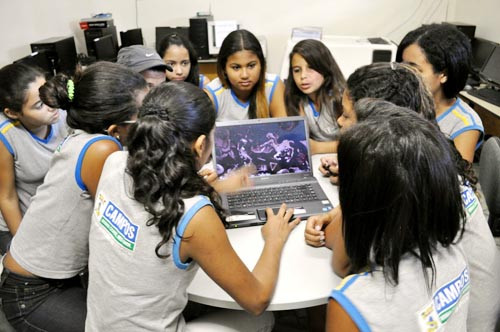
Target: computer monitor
{"type": "Point", "coordinates": [131, 37]}
{"type": "Point", "coordinates": [39, 59]}
{"type": "Point", "coordinates": [161, 32]}
{"type": "Point", "coordinates": [491, 69]}
{"type": "Point", "coordinates": [105, 48]}
{"type": "Point", "coordinates": [481, 51]}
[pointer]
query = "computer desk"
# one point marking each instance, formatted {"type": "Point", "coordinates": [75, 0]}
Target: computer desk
{"type": "Point", "coordinates": [305, 276]}
{"type": "Point", "coordinates": [489, 113]}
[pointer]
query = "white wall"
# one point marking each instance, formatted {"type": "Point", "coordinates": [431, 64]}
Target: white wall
{"type": "Point", "coordinates": [482, 13]}
{"type": "Point", "coordinates": [26, 21]}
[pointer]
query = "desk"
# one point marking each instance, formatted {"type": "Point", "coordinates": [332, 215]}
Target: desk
{"type": "Point", "coordinates": [305, 277]}
{"type": "Point", "coordinates": [489, 113]}
{"type": "Point", "coordinates": [208, 67]}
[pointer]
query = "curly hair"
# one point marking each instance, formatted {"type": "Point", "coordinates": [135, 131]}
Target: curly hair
{"type": "Point", "coordinates": [161, 161]}
{"type": "Point", "coordinates": [319, 58]}
{"type": "Point", "coordinates": [398, 83]}
{"type": "Point", "coordinates": [447, 49]}
{"type": "Point", "coordinates": [105, 93]}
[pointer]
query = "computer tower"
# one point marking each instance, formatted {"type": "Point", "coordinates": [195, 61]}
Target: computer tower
{"type": "Point", "coordinates": [61, 52]}
{"type": "Point", "coordinates": [39, 59]}
{"type": "Point", "coordinates": [467, 29]}
{"type": "Point", "coordinates": [198, 35]}
{"type": "Point", "coordinates": [93, 33]}
{"type": "Point", "coordinates": [162, 32]}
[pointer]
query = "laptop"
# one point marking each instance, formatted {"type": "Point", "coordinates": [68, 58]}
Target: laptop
{"type": "Point", "coordinates": [279, 150]}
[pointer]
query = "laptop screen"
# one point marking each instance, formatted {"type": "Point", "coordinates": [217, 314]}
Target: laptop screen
{"type": "Point", "coordinates": [274, 146]}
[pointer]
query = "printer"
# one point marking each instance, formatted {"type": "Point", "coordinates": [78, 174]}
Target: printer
{"type": "Point", "coordinates": [350, 52]}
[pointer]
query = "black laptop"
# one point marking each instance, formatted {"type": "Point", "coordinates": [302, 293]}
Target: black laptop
{"type": "Point", "coordinates": [279, 150]}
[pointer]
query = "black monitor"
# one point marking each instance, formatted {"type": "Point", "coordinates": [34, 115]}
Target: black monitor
{"type": "Point", "coordinates": [491, 69]}
{"type": "Point", "coordinates": [41, 60]}
{"type": "Point", "coordinates": [481, 51]}
{"type": "Point", "coordinates": [105, 48]}
{"type": "Point", "coordinates": [161, 32]}
{"type": "Point", "coordinates": [131, 37]}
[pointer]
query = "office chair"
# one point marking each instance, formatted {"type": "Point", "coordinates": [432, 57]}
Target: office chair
{"type": "Point", "coordinates": [489, 178]}
{"type": "Point", "coordinates": [131, 37]}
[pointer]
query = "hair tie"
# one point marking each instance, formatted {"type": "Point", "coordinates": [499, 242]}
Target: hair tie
{"type": "Point", "coordinates": [70, 87]}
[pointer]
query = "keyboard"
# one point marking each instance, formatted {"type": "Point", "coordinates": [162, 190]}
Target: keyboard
{"type": "Point", "coordinates": [487, 94]}
{"type": "Point", "coordinates": [270, 196]}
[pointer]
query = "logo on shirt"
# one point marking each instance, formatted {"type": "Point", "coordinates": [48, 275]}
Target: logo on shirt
{"type": "Point", "coordinates": [469, 200]}
{"type": "Point", "coordinates": [116, 222]}
{"type": "Point", "coordinates": [444, 301]}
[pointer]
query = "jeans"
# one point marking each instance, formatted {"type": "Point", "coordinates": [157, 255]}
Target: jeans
{"type": "Point", "coordinates": [37, 304]}
{"type": "Point", "coordinates": [5, 239]}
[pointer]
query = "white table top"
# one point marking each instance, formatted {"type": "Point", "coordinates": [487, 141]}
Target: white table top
{"type": "Point", "coordinates": [305, 277]}
{"type": "Point", "coordinates": [488, 106]}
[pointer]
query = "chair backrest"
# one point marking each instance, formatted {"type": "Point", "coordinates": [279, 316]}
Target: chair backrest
{"type": "Point", "coordinates": [489, 178]}
{"type": "Point", "coordinates": [131, 37]}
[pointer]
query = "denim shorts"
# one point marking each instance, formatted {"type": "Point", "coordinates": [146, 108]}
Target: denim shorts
{"type": "Point", "coordinates": [38, 304]}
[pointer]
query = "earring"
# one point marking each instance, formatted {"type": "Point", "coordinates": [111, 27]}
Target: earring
{"type": "Point", "coordinates": [117, 137]}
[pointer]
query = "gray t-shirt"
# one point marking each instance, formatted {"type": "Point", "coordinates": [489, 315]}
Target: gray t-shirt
{"type": "Point", "coordinates": [228, 107]}
{"type": "Point", "coordinates": [52, 240]}
{"type": "Point", "coordinates": [322, 125]}
{"type": "Point", "coordinates": [483, 259]}
{"type": "Point", "coordinates": [458, 119]}
{"type": "Point", "coordinates": [31, 155]}
{"type": "Point", "coordinates": [375, 305]}
{"type": "Point", "coordinates": [130, 288]}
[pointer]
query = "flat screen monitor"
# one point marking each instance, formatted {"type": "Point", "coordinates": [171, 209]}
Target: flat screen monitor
{"type": "Point", "coordinates": [40, 59]}
{"type": "Point", "coordinates": [131, 37]}
{"type": "Point", "coordinates": [161, 32]}
{"type": "Point", "coordinates": [105, 49]}
{"type": "Point", "coordinates": [491, 69]}
{"type": "Point", "coordinates": [481, 51]}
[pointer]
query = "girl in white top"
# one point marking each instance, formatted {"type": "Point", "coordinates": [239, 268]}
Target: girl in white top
{"type": "Point", "coordinates": [402, 217]}
{"type": "Point", "coordinates": [243, 89]}
{"type": "Point", "coordinates": [314, 89]}
{"type": "Point", "coordinates": [29, 133]}
{"type": "Point", "coordinates": [156, 219]}
{"type": "Point", "coordinates": [180, 55]}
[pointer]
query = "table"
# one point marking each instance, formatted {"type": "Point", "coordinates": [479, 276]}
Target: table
{"type": "Point", "coordinates": [489, 113]}
{"type": "Point", "coordinates": [305, 277]}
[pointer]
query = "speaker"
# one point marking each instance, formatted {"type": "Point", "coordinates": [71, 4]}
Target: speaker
{"type": "Point", "coordinates": [198, 35]}
{"type": "Point", "coordinates": [61, 52]}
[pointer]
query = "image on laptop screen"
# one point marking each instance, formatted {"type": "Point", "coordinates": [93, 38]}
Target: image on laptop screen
{"type": "Point", "coordinates": [275, 147]}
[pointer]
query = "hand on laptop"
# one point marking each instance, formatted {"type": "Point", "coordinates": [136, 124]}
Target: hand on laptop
{"type": "Point", "coordinates": [278, 226]}
{"type": "Point", "coordinates": [329, 168]}
{"type": "Point", "coordinates": [236, 180]}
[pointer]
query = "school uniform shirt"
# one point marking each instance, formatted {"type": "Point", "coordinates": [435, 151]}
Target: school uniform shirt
{"type": "Point", "coordinates": [203, 79]}
{"type": "Point", "coordinates": [228, 106]}
{"type": "Point", "coordinates": [460, 118]}
{"type": "Point", "coordinates": [31, 156]}
{"type": "Point", "coordinates": [52, 240]}
{"type": "Point", "coordinates": [375, 305]}
{"type": "Point", "coordinates": [130, 288]}
{"type": "Point", "coordinates": [322, 125]}
{"type": "Point", "coordinates": [483, 259]}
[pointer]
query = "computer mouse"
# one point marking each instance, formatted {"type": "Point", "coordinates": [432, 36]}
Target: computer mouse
{"type": "Point", "coordinates": [467, 87]}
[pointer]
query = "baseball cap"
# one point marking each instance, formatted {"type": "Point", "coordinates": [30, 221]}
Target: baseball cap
{"type": "Point", "coordinates": [140, 58]}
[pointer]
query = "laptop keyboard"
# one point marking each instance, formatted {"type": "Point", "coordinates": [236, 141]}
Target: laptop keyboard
{"type": "Point", "coordinates": [270, 196]}
{"type": "Point", "coordinates": [490, 95]}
